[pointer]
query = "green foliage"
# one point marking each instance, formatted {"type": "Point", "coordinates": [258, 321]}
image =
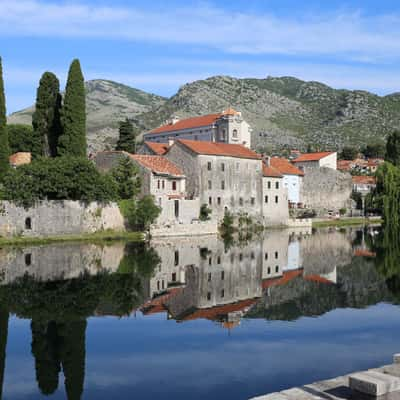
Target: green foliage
{"type": "Point", "coordinates": [374, 150]}
{"type": "Point", "coordinates": [21, 139]}
{"type": "Point", "coordinates": [205, 212]}
{"type": "Point", "coordinates": [46, 118]}
{"type": "Point", "coordinates": [63, 178]}
{"type": "Point", "coordinates": [348, 153]}
{"type": "Point", "coordinates": [388, 195]}
{"type": "Point", "coordinates": [226, 227]}
{"type": "Point", "coordinates": [72, 142]}
{"type": "Point", "coordinates": [343, 211]}
{"type": "Point", "coordinates": [393, 148]}
{"type": "Point", "coordinates": [4, 144]}
{"type": "Point", "coordinates": [139, 214]}
{"type": "Point", "coordinates": [127, 137]}
{"type": "Point", "coordinates": [126, 175]}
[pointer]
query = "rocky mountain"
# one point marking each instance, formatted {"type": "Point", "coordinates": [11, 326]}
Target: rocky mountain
{"type": "Point", "coordinates": [282, 111]}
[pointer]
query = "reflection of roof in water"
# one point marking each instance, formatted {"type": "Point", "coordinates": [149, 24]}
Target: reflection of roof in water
{"type": "Point", "coordinates": [156, 305]}
{"type": "Point", "coordinates": [364, 253]}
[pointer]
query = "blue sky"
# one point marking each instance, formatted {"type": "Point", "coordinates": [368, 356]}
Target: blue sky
{"type": "Point", "coordinates": [159, 45]}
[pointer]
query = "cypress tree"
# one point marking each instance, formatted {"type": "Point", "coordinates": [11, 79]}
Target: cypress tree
{"type": "Point", "coordinates": [73, 115]}
{"type": "Point", "coordinates": [4, 145]}
{"type": "Point", "coordinates": [46, 118]}
{"type": "Point", "coordinates": [127, 137]}
{"type": "Point", "coordinates": [393, 148]}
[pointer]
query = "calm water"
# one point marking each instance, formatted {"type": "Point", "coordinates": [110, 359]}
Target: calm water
{"type": "Point", "coordinates": [194, 318]}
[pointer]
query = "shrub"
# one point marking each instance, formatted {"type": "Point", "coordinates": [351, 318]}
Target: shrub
{"type": "Point", "coordinates": [139, 214]}
{"type": "Point", "coordinates": [205, 212]}
{"type": "Point", "coordinates": [343, 211]}
{"type": "Point", "coordinates": [63, 178]}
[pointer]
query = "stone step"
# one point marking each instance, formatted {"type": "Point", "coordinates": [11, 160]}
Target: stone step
{"type": "Point", "coordinates": [374, 383]}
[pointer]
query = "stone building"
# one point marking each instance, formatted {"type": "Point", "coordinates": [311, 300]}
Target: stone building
{"type": "Point", "coordinates": [292, 178]}
{"type": "Point", "coordinates": [226, 177]}
{"type": "Point", "coordinates": [327, 159]}
{"type": "Point", "coordinates": [163, 180]}
{"type": "Point", "coordinates": [225, 127]}
{"type": "Point", "coordinates": [274, 196]}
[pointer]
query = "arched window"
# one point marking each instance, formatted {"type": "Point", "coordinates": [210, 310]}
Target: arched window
{"type": "Point", "coordinates": [235, 133]}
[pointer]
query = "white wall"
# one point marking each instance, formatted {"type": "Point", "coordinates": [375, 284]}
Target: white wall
{"type": "Point", "coordinates": [292, 183]}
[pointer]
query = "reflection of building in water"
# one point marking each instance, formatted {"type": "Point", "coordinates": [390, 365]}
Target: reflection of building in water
{"type": "Point", "coordinates": [61, 261]}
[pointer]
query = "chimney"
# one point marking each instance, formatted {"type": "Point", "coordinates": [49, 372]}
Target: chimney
{"type": "Point", "coordinates": [170, 142]}
{"type": "Point", "coordinates": [267, 160]}
{"type": "Point", "coordinates": [174, 120]}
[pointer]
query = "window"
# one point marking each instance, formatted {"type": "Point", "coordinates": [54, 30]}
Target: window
{"type": "Point", "coordinates": [237, 166]}
{"type": "Point", "coordinates": [276, 255]}
{"type": "Point", "coordinates": [219, 260]}
{"type": "Point", "coordinates": [269, 185]}
{"type": "Point", "coordinates": [176, 257]}
{"type": "Point", "coordinates": [276, 199]}
{"type": "Point", "coordinates": [253, 201]}
{"type": "Point", "coordinates": [277, 268]}
{"type": "Point", "coordinates": [266, 199]}
{"type": "Point", "coordinates": [240, 257]}
{"type": "Point", "coordinates": [235, 133]}
{"type": "Point", "coordinates": [158, 285]}
{"type": "Point", "coordinates": [269, 270]}
{"type": "Point", "coordinates": [28, 259]}
{"type": "Point", "coordinates": [252, 255]}
{"type": "Point", "coordinates": [209, 185]}
{"type": "Point", "coordinates": [209, 296]}
{"type": "Point", "coordinates": [209, 261]}
{"type": "Point", "coordinates": [176, 203]}
{"type": "Point", "coordinates": [240, 202]}
{"type": "Point", "coordinates": [276, 185]}
{"type": "Point", "coordinates": [266, 256]}
{"type": "Point", "coordinates": [163, 184]}
{"type": "Point", "coordinates": [174, 277]}
{"type": "Point", "coordinates": [162, 284]}
{"type": "Point", "coordinates": [158, 184]}
{"type": "Point", "coordinates": [219, 201]}
{"type": "Point", "coordinates": [222, 293]}
{"type": "Point", "coordinates": [173, 185]}
{"type": "Point", "coordinates": [28, 223]}
{"type": "Point", "coordinates": [222, 185]}
{"type": "Point", "coordinates": [209, 165]}
{"type": "Point", "coordinates": [222, 275]}
{"type": "Point", "coordinates": [210, 201]}
{"type": "Point", "coordinates": [209, 277]}
{"type": "Point", "coordinates": [222, 167]}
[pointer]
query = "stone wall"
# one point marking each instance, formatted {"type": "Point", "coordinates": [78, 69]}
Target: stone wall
{"type": "Point", "coordinates": [189, 229]}
{"type": "Point", "coordinates": [326, 189]}
{"type": "Point", "coordinates": [53, 218]}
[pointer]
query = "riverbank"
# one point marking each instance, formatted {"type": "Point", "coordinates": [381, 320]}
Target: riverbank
{"type": "Point", "coordinates": [383, 382]}
{"type": "Point", "coordinates": [346, 222]}
{"type": "Point", "coordinates": [96, 237]}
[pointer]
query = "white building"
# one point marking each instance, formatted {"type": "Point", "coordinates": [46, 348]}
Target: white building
{"type": "Point", "coordinates": [292, 178]}
{"type": "Point", "coordinates": [327, 159]}
{"type": "Point", "coordinates": [225, 127]}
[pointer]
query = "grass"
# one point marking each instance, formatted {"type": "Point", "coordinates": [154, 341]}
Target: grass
{"type": "Point", "coordinates": [346, 222]}
{"type": "Point", "coordinates": [97, 237]}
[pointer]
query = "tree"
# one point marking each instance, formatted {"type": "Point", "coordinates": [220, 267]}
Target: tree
{"type": "Point", "coordinates": [46, 118]}
{"type": "Point", "coordinates": [21, 138]}
{"type": "Point", "coordinates": [348, 153]}
{"type": "Point", "coordinates": [127, 177]}
{"type": "Point", "coordinates": [73, 116]}
{"type": "Point", "coordinates": [393, 148]}
{"type": "Point", "coordinates": [147, 212]}
{"type": "Point", "coordinates": [374, 150]}
{"type": "Point", "coordinates": [4, 145]}
{"type": "Point", "coordinates": [61, 178]}
{"type": "Point", "coordinates": [127, 137]}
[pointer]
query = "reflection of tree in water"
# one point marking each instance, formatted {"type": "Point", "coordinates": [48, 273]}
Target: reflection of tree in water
{"type": "Point", "coordinates": [59, 310]}
{"type": "Point", "coordinates": [4, 315]}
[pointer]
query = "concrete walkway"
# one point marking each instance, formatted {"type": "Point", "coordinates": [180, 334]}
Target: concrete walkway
{"type": "Point", "coordinates": [339, 388]}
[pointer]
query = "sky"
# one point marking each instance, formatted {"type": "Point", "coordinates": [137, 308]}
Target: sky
{"type": "Point", "coordinates": [159, 45]}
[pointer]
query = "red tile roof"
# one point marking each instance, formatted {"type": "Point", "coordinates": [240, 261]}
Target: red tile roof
{"type": "Point", "coordinates": [214, 312]}
{"type": "Point", "coordinates": [313, 156]}
{"type": "Point", "coordinates": [366, 180]}
{"type": "Point", "coordinates": [20, 158]}
{"type": "Point", "coordinates": [364, 253]}
{"type": "Point", "coordinates": [271, 172]}
{"type": "Point", "coordinates": [285, 167]}
{"type": "Point", "coordinates": [345, 165]}
{"type": "Point", "coordinates": [158, 148]}
{"type": "Point", "coordinates": [157, 164]}
{"type": "Point", "coordinates": [219, 149]}
{"type": "Point", "coordinates": [194, 122]}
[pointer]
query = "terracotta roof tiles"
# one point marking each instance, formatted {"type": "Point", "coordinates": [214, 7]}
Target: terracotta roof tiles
{"type": "Point", "coordinates": [219, 149]}
{"type": "Point", "coordinates": [158, 148]}
{"type": "Point", "coordinates": [312, 156]}
{"type": "Point", "coordinates": [285, 167]}
{"type": "Point", "coordinates": [366, 180]}
{"type": "Point", "coordinates": [20, 158]}
{"type": "Point", "coordinates": [271, 172]}
{"type": "Point", "coordinates": [157, 164]}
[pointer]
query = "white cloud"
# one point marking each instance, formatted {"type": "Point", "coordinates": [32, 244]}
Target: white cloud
{"type": "Point", "coordinates": [347, 34]}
